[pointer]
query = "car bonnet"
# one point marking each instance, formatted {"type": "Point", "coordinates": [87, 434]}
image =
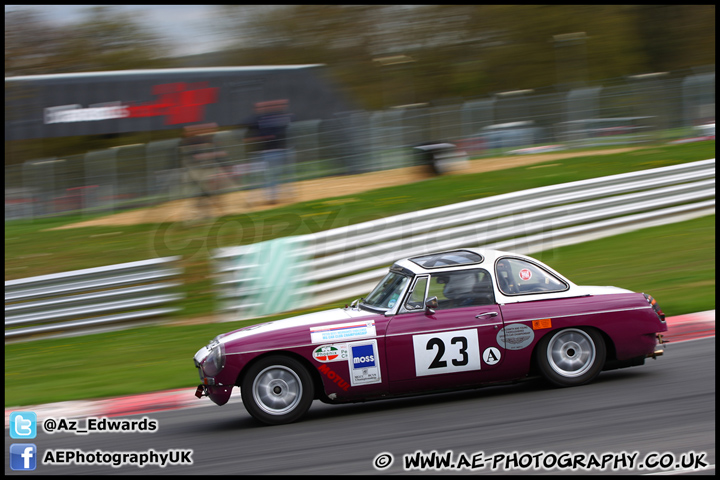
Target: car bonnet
{"type": "Point", "coordinates": [316, 318]}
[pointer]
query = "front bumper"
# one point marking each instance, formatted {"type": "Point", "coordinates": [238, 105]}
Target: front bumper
{"type": "Point", "coordinates": [219, 394]}
{"type": "Point", "coordinates": [209, 368]}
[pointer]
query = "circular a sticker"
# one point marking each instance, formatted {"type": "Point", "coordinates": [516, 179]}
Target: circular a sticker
{"type": "Point", "coordinates": [515, 337]}
{"type": "Point", "coordinates": [491, 356]}
{"type": "Point", "coordinates": [525, 274]}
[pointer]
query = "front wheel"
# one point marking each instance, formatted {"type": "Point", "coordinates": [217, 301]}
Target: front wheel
{"type": "Point", "coordinates": [277, 390]}
{"type": "Point", "coordinates": [571, 357]}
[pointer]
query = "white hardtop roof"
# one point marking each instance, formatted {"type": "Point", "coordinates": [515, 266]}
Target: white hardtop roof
{"type": "Point", "coordinates": [488, 259]}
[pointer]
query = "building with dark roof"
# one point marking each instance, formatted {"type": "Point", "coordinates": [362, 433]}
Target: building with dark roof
{"type": "Point", "coordinates": [115, 102]}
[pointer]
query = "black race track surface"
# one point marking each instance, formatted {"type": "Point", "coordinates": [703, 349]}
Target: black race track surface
{"type": "Point", "coordinates": [666, 406]}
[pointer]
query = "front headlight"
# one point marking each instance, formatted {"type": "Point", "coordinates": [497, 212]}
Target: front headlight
{"type": "Point", "coordinates": [215, 360]}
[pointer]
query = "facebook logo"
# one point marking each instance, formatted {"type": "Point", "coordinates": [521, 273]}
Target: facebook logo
{"type": "Point", "coordinates": [23, 425]}
{"type": "Point", "coordinates": [23, 456]}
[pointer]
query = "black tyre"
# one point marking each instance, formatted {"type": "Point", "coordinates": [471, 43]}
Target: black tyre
{"type": "Point", "coordinates": [571, 357]}
{"type": "Point", "coordinates": [277, 390]}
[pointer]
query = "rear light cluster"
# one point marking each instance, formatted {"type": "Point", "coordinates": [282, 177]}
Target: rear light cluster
{"type": "Point", "coordinates": [655, 306]}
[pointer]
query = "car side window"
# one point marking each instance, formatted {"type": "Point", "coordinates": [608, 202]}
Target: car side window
{"type": "Point", "coordinates": [462, 288]}
{"type": "Point", "coordinates": [520, 277]}
{"type": "Point", "coordinates": [416, 298]}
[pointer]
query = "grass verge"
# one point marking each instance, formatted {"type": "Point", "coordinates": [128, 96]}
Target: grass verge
{"type": "Point", "coordinates": [32, 249]}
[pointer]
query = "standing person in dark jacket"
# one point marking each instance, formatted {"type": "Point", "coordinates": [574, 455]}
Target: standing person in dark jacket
{"type": "Point", "coordinates": [268, 131]}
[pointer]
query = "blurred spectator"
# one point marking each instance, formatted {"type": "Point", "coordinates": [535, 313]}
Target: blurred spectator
{"type": "Point", "coordinates": [267, 130]}
{"type": "Point", "coordinates": [204, 176]}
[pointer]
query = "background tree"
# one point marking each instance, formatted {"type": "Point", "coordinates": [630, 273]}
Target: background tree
{"type": "Point", "coordinates": [105, 39]}
{"type": "Point", "coordinates": [472, 50]}
{"type": "Point", "coordinates": [31, 43]}
{"type": "Point", "coordinates": [675, 36]}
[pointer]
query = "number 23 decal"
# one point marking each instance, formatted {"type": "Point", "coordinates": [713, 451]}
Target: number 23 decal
{"type": "Point", "coordinates": [438, 363]}
{"type": "Point", "coordinates": [446, 352]}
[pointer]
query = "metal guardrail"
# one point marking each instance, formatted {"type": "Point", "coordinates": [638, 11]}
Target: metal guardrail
{"type": "Point", "coordinates": [337, 264]}
{"type": "Point", "coordinates": [90, 300]}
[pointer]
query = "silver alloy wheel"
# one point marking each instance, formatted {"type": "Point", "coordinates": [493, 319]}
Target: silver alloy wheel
{"type": "Point", "coordinates": [571, 352]}
{"type": "Point", "coordinates": [277, 390]}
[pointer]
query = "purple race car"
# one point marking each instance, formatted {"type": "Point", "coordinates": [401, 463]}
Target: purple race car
{"type": "Point", "coordinates": [437, 322]}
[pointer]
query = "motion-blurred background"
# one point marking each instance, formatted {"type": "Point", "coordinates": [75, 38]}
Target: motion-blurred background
{"type": "Point", "coordinates": [374, 81]}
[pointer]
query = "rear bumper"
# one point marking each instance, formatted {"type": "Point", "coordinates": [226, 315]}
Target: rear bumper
{"type": "Point", "coordinates": [659, 348]}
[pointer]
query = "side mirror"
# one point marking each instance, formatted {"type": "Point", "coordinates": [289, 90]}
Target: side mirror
{"type": "Point", "coordinates": [431, 305]}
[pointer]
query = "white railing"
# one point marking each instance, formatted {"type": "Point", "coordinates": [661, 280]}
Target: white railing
{"type": "Point", "coordinates": [90, 300]}
{"type": "Point", "coordinates": [337, 264]}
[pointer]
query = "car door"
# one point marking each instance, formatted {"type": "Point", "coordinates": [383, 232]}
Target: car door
{"type": "Point", "coordinates": [449, 346]}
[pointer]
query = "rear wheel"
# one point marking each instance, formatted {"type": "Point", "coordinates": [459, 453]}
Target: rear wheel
{"type": "Point", "coordinates": [571, 357]}
{"type": "Point", "coordinates": [277, 390]}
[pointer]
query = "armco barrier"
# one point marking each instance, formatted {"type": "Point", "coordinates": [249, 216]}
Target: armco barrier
{"type": "Point", "coordinates": [337, 264]}
{"type": "Point", "coordinates": [93, 299]}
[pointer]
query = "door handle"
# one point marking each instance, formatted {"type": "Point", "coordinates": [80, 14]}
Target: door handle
{"type": "Point", "coordinates": [492, 314]}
